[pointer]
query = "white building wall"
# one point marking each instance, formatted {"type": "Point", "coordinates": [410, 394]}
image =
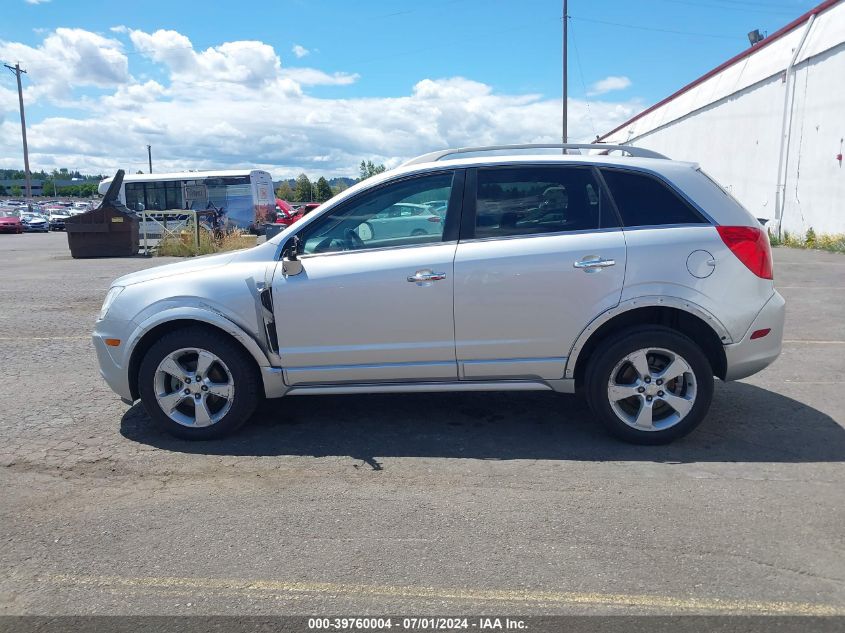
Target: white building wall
{"type": "Point", "coordinates": [732, 127]}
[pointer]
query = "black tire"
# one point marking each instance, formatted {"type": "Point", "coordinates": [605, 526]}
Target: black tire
{"type": "Point", "coordinates": [241, 366]}
{"type": "Point", "coordinates": [611, 352]}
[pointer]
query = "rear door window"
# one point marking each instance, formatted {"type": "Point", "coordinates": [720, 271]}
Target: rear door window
{"type": "Point", "coordinates": [535, 200]}
{"type": "Point", "coordinates": [644, 200]}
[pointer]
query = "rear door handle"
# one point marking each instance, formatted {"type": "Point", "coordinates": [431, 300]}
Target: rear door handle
{"type": "Point", "coordinates": [424, 277]}
{"type": "Point", "coordinates": [593, 263]}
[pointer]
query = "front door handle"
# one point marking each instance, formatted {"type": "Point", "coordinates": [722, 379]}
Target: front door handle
{"type": "Point", "coordinates": [593, 263]}
{"type": "Point", "coordinates": [425, 277]}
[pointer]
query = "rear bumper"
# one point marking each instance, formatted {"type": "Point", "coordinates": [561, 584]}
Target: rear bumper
{"type": "Point", "coordinates": [748, 356]}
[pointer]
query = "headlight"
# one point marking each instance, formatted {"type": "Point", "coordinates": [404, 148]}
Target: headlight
{"type": "Point", "coordinates": [111, 295]}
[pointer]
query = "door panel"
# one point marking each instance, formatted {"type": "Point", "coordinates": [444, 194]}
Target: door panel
{"type": "Point", "coordinates": [355, 317]}
{"type": "Point", "coordinates": [541, 254]}
{"type": "Point", "coordinates": [373, 306]}
{"type": "Point", "coordinates": [521, 302]}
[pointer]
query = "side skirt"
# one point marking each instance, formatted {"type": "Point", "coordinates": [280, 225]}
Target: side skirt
{"type": "Point", "coordinates": [560, 386]}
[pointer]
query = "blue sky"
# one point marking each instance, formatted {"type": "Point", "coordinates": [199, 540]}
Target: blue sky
{"type": "Point", "coordinates": [489, 56]}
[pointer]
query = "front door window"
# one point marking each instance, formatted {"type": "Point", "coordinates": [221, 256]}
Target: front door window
{"type": "Point", "coordinates": [405, 213]}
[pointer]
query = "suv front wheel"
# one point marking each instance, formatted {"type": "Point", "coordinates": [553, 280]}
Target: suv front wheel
{"type": "Point", "coordinates": [198, 384]}
{"type": "Point", "coordinates": [649, 385]}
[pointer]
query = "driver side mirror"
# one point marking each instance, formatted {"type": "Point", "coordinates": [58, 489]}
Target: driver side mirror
{"type": "Point", "coordinates": [291, 265]}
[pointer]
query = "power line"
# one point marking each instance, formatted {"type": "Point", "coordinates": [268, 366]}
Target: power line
{"type": "Point", "coordinates": [18, 70]}
{"type": "Point", "coordinates": [649, 28]}
{"type": "Point", "coordinates": [583, 84]}
{"type": "Point", "coordinates": [731, 7]}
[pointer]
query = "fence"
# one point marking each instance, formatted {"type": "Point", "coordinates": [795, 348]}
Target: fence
{"type": "Point", "coordinates": [156, 225]}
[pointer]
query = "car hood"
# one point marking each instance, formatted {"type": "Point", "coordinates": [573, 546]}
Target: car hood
{"type": "Point", "coordinates": [193, 265]}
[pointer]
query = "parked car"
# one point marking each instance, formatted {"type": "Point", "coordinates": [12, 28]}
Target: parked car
{"type": "Point", "coordinates": [629, 280]}
{"type": "Point", "coordinates": [10, 222]}
{"type": "Point", "coordinates": [285, 213]}
{"type": "Point", "coordinates": [307, 208]}
{"type": "Point", "coordinates": [401, 220]}
{"type": "Point", "coordinates": [57, 220]}
{"type": "Point", "coordinates": [34, 223]}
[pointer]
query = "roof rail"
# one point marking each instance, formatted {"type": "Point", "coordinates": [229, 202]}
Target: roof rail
{"type": "Point", "coordinates": [432, 157]}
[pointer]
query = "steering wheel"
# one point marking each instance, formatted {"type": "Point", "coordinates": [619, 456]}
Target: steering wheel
{"type": "Point", "coordinates": [353, 240]}
{"type": "Point", "coordinates": [330, 245]}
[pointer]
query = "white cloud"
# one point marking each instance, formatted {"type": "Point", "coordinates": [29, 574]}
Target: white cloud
{"type": "Point", "coordinates": [68, 58]}
{"type": "Point", "coordinates": [37, 1]}
{"type": "Point", "coordinates": [236, 105]}
{"type": "Point", "coordinates": [244, 62]}
{"type": "Point", "coordinates": [314, 77]}
{"type": "Point", "coordinates": [609, 84]}
{"type": "Point", "coordinates": [299, 51]}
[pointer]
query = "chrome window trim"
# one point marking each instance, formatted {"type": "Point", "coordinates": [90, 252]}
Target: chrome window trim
{"type": "Point", "coordinates": [304, 256]}
{"type": "Point", "coordinates": [651, 227]}
{"type": "Point", "coordinates": [499, 238]}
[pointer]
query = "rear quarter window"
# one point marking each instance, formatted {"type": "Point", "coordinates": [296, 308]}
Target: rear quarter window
{"type": "Point", "coordinates": [644, 200]}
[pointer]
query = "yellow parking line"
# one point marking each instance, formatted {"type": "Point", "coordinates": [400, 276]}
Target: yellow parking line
{"type": "Point", "coordinates": [437, 593]}
{"type": "Point", "coordinates": [45, 338]}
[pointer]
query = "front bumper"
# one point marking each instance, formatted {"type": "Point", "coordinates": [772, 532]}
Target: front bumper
{"type": "Point", "coordinates": [749, 356]}
{"type": "Point", "coordinates": [112, 359]}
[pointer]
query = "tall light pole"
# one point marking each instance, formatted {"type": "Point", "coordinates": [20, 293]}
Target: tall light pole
{"type": "Point", "coordinates": [150, 157]}
{"type": "Point", "coordinates": [564, 113]}
{"type": "Point", "coordinates": [18, 70]}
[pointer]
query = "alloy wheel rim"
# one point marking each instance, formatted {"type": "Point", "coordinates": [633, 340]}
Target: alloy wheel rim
{"type": "Point", "coordinates": [194, 387]}
{"type": "Point", "coordinates": [652, 389]}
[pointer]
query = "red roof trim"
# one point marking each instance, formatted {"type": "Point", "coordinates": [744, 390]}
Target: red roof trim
{"type": "Point", "coordinates": [746, 53]}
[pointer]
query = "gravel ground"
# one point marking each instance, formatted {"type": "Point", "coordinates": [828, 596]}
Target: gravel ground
{"type": "Point", "coordinates": [412, 504]}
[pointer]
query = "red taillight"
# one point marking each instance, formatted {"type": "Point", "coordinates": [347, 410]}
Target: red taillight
{"type": "Point", "coordinates": [751, 247]}
{"type": "Point", "coordinates": [434, 218]}
{"type": "Point", "coordinates": [760, 333]}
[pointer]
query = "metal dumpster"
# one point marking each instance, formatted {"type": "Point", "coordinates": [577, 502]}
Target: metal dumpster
{"type": "Point", "coordinates": [110, 230]}
{"type": "Point", "coordinates": [272, 230]}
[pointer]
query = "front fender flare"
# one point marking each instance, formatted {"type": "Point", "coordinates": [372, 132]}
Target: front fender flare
{"type": "Point", "coordinates": [643, 302]}
{"type": "Point", "coordinates": [200, 315]}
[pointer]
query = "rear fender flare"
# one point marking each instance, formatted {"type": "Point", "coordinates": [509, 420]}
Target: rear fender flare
{"type": "Point", "coordinates": [643, 302]}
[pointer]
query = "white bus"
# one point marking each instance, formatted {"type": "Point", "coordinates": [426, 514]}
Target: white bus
{"type": "Point", "coordinates": [245, 198]}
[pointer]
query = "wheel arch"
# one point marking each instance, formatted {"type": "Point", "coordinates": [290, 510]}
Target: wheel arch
{"type": "Point", "coordinates": [677, 314]}
{"type": "Point", "coordinates": [169, 321]}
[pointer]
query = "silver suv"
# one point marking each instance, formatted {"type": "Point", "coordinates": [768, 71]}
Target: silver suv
{"type": "Point", "coordinates": [630, 279]}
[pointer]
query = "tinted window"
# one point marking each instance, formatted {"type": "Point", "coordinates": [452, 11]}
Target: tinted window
{"type": "Point", "coordinates": [646, 201]}
{"type": "Point", "coordinates": [399, 214]}
{"type": "Point", "coordinates": [529, 200]}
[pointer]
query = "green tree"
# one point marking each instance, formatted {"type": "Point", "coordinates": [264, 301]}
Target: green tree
{"type": "Point", "coordinates": [340, 186]}
{"type": "Point", "coordinates": [322, 190]}
{"type": "Point", "coordinates": [16, 190]}
{"type": "Point", "coordinates": [367, 169]}
{"type": "Point", "coordinates": [302, 190]}
{"type": "Point", "coordinates": [48, 187]}
{"type": "Point", "coordinates": [284, 191]}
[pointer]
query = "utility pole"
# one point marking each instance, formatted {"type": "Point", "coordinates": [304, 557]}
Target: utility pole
{"type": "Point", "coordinates": [565, 87]}
{"type": "Point", "coordinates": [150, 157]}
{"type": "Point", "coordinates": [18, 70]}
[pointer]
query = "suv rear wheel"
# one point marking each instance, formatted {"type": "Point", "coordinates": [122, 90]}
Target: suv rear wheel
{"type": "Point", "coordinates": [197, 384]}
{"type": "Point", "coordinates": [649, 385]}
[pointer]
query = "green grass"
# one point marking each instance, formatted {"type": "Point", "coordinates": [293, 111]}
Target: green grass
{"type": "Point", "coordinates": [823, 242]}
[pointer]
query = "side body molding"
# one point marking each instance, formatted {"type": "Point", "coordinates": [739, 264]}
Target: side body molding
{"type": "Point", "coordinates": [643, 302]}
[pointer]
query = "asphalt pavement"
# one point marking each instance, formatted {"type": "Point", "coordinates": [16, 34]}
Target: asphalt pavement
{"type": "Point", "coordinates": [412, 504]}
